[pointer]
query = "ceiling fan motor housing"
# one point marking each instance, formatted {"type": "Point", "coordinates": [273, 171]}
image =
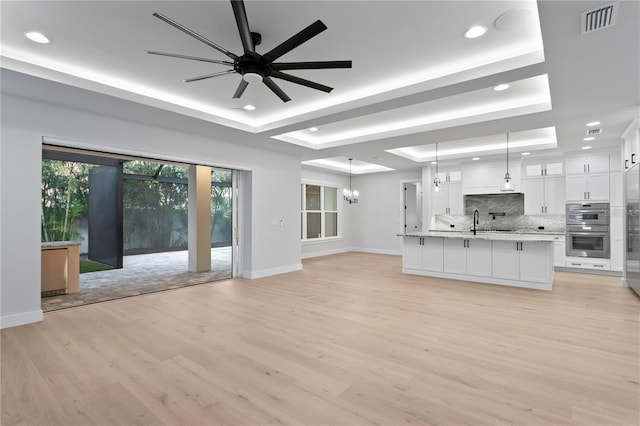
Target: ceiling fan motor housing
{"type": "Point", "coordinates": [252, 63]}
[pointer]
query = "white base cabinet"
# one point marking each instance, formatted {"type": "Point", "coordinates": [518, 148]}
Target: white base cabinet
{"type": "Point", "coordinates": [421, 253]}
{"type": "Point", "coordinates": [617, 239]}
{"type": "Point", "coordinates": [559, 251]}
{"type": "Point", "coordinates": [523, 261]}
{"type": "Point", "coordinates": [471, 257]}
{"type": "Point", "coordinates": [589, 263]}
{"type": "Point", "coordinates": [514, 263]}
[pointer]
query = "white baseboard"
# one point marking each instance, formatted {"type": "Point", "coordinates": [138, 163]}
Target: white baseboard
{"type": "Point", "coordinates": [377, 251]}
{"type": "Point", "coordinates": [326, 252]}
{"type": "Point", "coordinates": [23, 318]}
{"type": "Point", "coordinates": [252, 275]}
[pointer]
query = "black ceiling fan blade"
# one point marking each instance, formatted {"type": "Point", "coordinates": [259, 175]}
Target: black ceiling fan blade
{"type": "Point", "coordinates": [240, 90]}
{"type": "Point", "coordinates": [194, 35]}
{"type": "Point", "coordinates": [295, 41]}
{"type": "Point", "coordinates": [276, 89]}
{"type": "Point", "coordinates": [301, 81]}
{"type": "Point", "coordinates": [310, 65]}
{"type": "Point", "coordinates": [192, 58]}
{"type": "Point", "coordinates": [203, 77]}
{"type": "Point", "coordinates": [243, 25]}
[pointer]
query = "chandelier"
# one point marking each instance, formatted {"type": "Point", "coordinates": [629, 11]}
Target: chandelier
{"type": "Point", "coordinates": [350, 195]}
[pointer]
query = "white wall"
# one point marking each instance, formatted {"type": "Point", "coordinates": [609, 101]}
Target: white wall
{"type": "Point", "coordinates": [344, 244]}
{"type": "Point", "coordinates": [19, 227]}
{"type": "Point", "coordinates": [377, 216]}
{"type": "Point", "coordinates": [274, 195]}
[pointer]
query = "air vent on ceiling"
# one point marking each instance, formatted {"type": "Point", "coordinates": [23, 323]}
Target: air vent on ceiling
{"type": "Point", "coordinates": [592, 132]}
{"type": "Point", "coordinates": [599, 18]}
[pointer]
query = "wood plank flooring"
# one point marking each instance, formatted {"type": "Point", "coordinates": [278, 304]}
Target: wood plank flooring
{"type": "Point", "coordinates": [347, 340]}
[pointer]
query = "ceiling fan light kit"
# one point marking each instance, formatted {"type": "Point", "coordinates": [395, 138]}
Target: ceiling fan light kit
{"type": "Point", "coordinates": [252, 66]}
{"type": "Point", "coordinates": [252, 77]}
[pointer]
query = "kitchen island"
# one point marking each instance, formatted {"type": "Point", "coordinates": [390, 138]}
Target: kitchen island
{"type": "Point", "coordinates": [511, 259]}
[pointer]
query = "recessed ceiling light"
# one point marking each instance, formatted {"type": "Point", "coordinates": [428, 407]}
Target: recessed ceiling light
{"type": "Point", "coordinates": [313, 129]}
{"type": "Point", "coordinates": [475, 158]}
{"type": "Point", "coordinates": [434, 162]}
{"type": "Point", "coordinates": [37, 37]}
{"type": "Point", "coordinates": [501, 87]}
{"type": "Point", "coordinates": [249, 107]}
{"type": "Point", "coordinates": [590, 138]}
{"type": "Point", "coordinates": [593, 123]}
{"type": "Point", "coordinates": [526, 153]}
{"type": "Point", "coordinates": [475, 31]}
{"type": "Point", "coordinates": [586, 147]}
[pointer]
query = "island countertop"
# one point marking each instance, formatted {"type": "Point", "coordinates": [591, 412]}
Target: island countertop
{"type": "Point", "coordinates": [486, 235]}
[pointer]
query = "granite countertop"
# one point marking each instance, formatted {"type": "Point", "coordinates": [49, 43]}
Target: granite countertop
{"type": "Point", "coordinates": [487, 235]}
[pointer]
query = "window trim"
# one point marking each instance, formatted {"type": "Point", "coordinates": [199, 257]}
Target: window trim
{"type": "Point", "coordinates": [303, 211]}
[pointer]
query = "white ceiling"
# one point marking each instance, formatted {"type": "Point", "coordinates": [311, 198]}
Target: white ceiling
{"type": "Point", "coordinates": [415, 79]}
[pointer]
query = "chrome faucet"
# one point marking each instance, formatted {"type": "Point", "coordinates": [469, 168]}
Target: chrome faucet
{"type": "Point", "coordinates": [476, 220]}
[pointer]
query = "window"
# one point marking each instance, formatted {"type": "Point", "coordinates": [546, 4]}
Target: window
{"type": "Point", "coordinates": [319, 212]}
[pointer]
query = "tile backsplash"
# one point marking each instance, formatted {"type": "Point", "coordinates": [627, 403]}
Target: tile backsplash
{"type": "Point", "coordinates": [511, 204]}
{"type": "Point", "coordinates": [514, 219]}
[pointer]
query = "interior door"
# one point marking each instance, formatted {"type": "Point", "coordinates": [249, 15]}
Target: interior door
{"type": "Point", "coordinates": [105, 215]}
{"type": "Point", "coordinates": [412, 200]}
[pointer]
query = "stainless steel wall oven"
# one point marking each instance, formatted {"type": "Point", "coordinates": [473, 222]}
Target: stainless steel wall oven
{"type": "Point", "coordinates": [588, 230]}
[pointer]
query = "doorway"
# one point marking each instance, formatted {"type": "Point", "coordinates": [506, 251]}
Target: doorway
{"type": "Point", "coordinates": [139, 207]}
{"type": "Point", "coordinates": [411, 206]}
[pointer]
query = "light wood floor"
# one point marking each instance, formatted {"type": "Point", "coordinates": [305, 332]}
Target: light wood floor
{"type": "Point", "coordinates": [348, 340]}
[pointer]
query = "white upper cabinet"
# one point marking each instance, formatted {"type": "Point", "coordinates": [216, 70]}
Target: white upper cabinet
{"type": "Point", "coordinates": [554, 195]}
{"type": "Point", "coordinates": [533, 196]}
{"type": "Point", "coordinates": [449, 176]}
{"type": "Point", "coordinates": [448, 200]}
{"type": "Point", "coordinates": [598, 163]}
{"type": "Point", "coordinates": [544, 195]}
{"type": "Point", "coordinates": [543, 168]}
{"type": "Point", "coordinates": [587, 178]}
{"type": "Point", "coordinates": [588, 187]}
{"type": "Point", "coordinates": [543, 187]}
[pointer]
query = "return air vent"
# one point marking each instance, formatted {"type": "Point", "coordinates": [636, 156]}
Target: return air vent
{"type": "Point", "coordinates": [599, 18]}
{"type": "Point", "coordinates": [592, 132]}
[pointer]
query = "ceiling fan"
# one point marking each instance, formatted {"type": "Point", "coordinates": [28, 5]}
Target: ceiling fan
{"type": "Point", "coordinates": [253, 66]}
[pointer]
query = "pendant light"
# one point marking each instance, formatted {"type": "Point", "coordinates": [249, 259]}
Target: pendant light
{"type": "Point", "coordinates": [349, 194]}
{"type": "Point", "coordinates": [507, 185]}
{"type": "Point", "coordinates": [436, 180]}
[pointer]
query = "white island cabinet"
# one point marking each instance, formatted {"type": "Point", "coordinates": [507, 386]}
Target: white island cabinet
{"type": "Point", "coordinates": [465, 256]}
{"type": "Point", "coordinates": [519, 260]}
{"type": "Point", "coordinates": [424, 254]}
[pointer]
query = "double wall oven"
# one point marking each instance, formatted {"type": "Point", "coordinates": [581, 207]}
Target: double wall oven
{"type": "Point", "coordinates": [588, 230]}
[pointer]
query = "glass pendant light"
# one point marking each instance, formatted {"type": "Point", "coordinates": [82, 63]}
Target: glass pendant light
{"type": "Point", "coordinates": [507, 185]}
{"type": "Point", "coordinates": [436, 180]}
{"type": "Point", "coordinates": [349, 194]}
